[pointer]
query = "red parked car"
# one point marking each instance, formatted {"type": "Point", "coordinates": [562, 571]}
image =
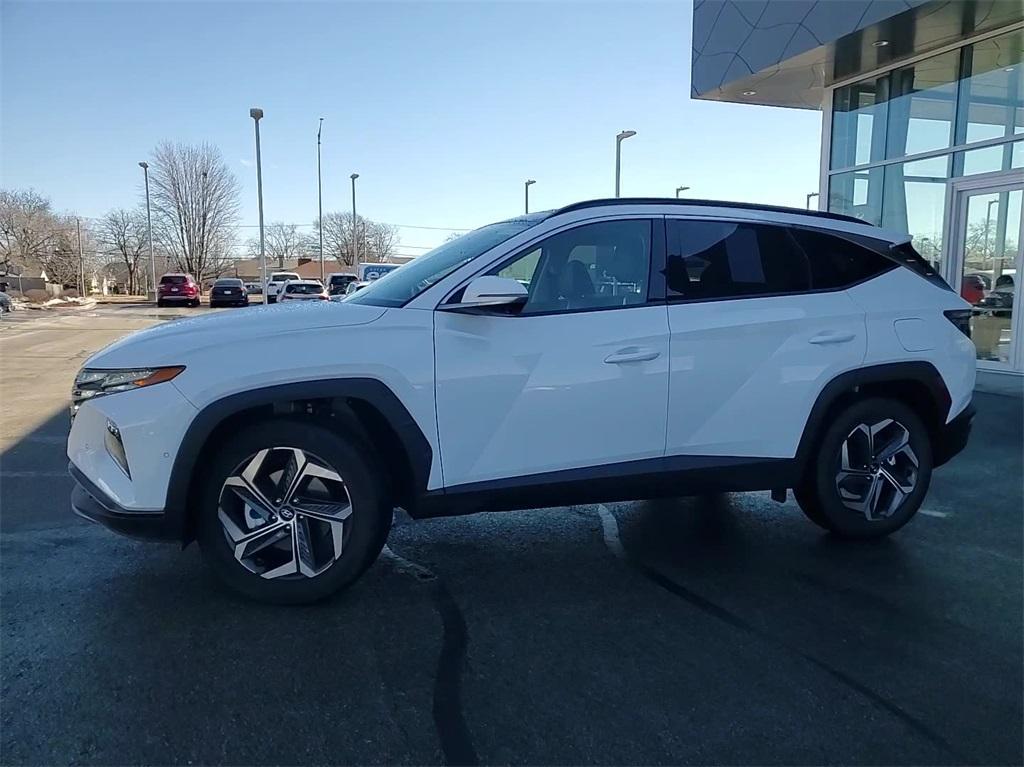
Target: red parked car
{"type": "Point", "coordinates": [972, 288]}
{"type": "Point", "coordinates": [177, 288]}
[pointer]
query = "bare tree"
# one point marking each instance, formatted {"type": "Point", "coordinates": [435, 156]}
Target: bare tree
{"type": "Point", "coordinates": [381, 240]}
{"type": "Point", "coordinates": [195, 204]}
{"type": "Point", "coordinates": [65, 263]}
{"type": "Point", "coordinates": [377, 241]}
{"type": "Point", "coordinates": [282, 241]}
{"type": "Point", "coordinates": [124, 232]}
{"type": "Point", "coordinates": [28, 228]}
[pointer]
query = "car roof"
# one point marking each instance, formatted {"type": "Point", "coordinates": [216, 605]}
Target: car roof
{"type": "Point", "coordinates": [304, 282]}
{"type": "Point", "coordinates": [739, 210]}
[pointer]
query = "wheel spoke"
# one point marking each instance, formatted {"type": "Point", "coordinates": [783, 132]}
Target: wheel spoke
{"type": "Point", "coordinates": [898, 443]}
{"type": "Point", "coordinates": [871, 499]}
{"type": "Point", "coordinates": [904, 487]}
{"type": "Point", "coordinates": [292, 476]}
{"type": "Point", "coordinates": [304, 547]}
{"type": "Point", "coordinates": [325, 512]}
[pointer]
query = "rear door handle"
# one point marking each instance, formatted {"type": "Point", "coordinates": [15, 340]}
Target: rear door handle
{"type": "Point", "coordinates": [831, 337]}
{"type": "Point", "coordinates": [632, 354]}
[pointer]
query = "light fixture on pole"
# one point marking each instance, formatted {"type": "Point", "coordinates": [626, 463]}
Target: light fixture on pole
{"type": "Point", "coordinates": [619, 138]}
{"type": "Point", "coordinates": [320, 200]}
{"type": "Point", "coordinates": [680, 189]}
{"type": "Point", "coordinates": [809, 196]}
{"type": "Point", "coordinates": [355, 238]}
{"type": "Point", "coordinates": [257, 114]}
{"type": "Point", "coordinates": [526, 190]}
{"type": "Point", "coordinates": [149, 229]}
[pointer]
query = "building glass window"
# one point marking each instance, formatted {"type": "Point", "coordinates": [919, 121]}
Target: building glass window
{"type": "Point", "coordinates": [922, 106]}
{"type": "Point", "coordinates": [914, 201]}
{"type": "Point", "coordinates": [943, 103]}
{"type": "Point", "coordinates": [858, 123]}
{"type": "Point", "coordinates": [992, 90]}
{"type": "Point", "coordinates": [990, 159]}
{"type": "Point", "coordinates": [857, 193]}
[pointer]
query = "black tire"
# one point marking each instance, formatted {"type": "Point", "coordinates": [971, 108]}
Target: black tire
{"type": "Point", "coordinates": [160, 303]}
{"type": "Point", "coordinates": [366, 529]}
{"type": "Point", "coordinates": [194, 303]}
{"type": "Point", "coordinates": [819, 496]}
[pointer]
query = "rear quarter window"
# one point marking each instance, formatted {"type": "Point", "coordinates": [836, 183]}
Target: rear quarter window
{"type": "Point", "coordinates": [836, 262]}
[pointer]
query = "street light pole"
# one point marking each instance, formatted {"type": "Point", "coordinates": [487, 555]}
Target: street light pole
{"type": "Point", "coordinates": [809, 196]}
{"type": "Point", "coordinates": [988, 223]}
{"type": "Point", "coordinates": [149, 229]}
{"type": "Point", "coordinates": [355, 234]}
{"type": "Point", "coordinates": [526, 190]}
{"type": "Point", "coordinates": [256, 114]}
{"type": "Point", "coordinates": [320, 200]}
{"type": "Point", "coordinates": [619, 138]}
{"type": "Point", "coordinates": [81, 256]}
{"type": "Point", "coordinates": [680, 189]}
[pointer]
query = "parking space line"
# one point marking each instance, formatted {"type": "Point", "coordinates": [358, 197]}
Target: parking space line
{"type": "Point", "coordinates": [610, 530]}
{"type": "Point", "coordinates": [930, 513]}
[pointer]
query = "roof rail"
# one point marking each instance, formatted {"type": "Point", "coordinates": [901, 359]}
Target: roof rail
{"type": "Point", "coordinates": [710, 204]}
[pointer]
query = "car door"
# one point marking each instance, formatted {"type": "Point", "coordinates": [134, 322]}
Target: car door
{"type": "Point", "coordinates": [577, 377]}
{"type": "Point", "coordinates": [754, 340]}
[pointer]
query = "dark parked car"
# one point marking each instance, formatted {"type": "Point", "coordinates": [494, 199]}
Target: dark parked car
{"type": "Point", "coordinates": [229, 291]}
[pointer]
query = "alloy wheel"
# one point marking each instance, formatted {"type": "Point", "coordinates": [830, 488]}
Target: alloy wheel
{"type": "Point", "coordinates": [284, 512]}
{"type": "Point", "coordinates": [878, 469]}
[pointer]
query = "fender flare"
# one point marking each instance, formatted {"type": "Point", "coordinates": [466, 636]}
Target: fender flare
{"type": "Point", "coordinates": [370, 390]}
{"type": "Point", "coordinates": [918, 371]}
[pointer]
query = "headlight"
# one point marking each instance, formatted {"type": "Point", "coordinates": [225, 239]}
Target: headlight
{"type": "Point", "coordinates": [96, 383]}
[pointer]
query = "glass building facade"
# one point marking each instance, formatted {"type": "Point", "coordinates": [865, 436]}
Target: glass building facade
{"type": "Point", "coordinates": [898, 137]}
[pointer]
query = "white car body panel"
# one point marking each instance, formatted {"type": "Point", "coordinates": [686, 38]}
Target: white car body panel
{"type": "Point", "coordinates": [152, 422]}
{"type": "Point", "coordinates": [745, 372]}
{"type": "Point", "coordinates": [899, 296]}
{"type": "Point", "coordinates": [526, 395]}
{"type": "Point", "coordinates": [225, 354]}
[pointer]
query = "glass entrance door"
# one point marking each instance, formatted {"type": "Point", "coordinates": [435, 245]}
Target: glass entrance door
{"type": "Point", "coordinates": [985, 265]}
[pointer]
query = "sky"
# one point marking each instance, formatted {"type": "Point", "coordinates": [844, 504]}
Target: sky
{"type": "Point", "coordinates": [443, 108]}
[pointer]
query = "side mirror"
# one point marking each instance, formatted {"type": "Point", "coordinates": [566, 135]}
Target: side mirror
{"type": "Point", "coordinates": [490, 291]}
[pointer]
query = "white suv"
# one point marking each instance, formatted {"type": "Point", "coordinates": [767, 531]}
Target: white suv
{"type": "Point", "coordinates": [610, 350]}
{"type": "Point", "coordinates": [276, 284]}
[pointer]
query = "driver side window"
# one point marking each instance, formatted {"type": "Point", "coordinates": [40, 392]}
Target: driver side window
{"type": "Point", "coordinates": [595, 266]}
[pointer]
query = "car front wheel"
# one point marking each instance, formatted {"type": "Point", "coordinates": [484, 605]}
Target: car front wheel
{"type": "Point", "coordinates": [871, 471]}
{"type": "Point", "coordinates": [292, 512]}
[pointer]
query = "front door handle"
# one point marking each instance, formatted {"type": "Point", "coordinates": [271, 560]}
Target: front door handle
{"type": "Point", "coordinates": [831, 337]}
{"type": "Point", "coordinates": [632, 354]}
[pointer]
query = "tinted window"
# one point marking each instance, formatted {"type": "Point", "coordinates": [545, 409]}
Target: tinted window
{"type": "Point", "coordinates": [303, 288]}
{"type": "Point", "coordinates": [597, 266]}
{"type": "Point", "coordinates": [173, 279]}
{"type": "Point", "coordinates": [718, 259]}
{"type": "Point", "coordinates": [838, 263]}
{"type": "Point", "coordinates": [228, 283]}
{"type": "Point", "coordinates": [283, 276]}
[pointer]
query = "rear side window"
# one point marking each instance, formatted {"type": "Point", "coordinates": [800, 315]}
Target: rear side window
{"type": "Point", "coordinates": [838, 263]}
{"type": "Point", "coordinates": [719, 259]}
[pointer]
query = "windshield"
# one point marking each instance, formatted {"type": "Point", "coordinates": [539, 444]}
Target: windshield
{"type": "Point", "coordinates": [283, 276]}
{"type": "Point", "coordinates": [227, 283]}
{"type": "Point", "coordinates": [398, 287]}
{"type": "Point", "coordinates": [173, 279]}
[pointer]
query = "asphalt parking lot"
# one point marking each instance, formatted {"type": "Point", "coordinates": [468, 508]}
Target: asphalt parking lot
{"type": "Point", "coordinates": [724, 630]}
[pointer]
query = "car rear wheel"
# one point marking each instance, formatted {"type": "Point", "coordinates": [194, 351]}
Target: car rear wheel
{"type": "Point", "coordinates": [871, 471]}
{"type": "Point", "coordinates": [292, 512]}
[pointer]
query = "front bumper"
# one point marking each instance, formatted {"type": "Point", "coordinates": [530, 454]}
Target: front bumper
{"type": "Point", "coordinates": [91, 503]}
{"type": "Point", "coordinates": [952, 438]}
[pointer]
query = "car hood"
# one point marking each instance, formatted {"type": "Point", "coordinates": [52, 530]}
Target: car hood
{"type": "Point", "coordinates": [262, 328]}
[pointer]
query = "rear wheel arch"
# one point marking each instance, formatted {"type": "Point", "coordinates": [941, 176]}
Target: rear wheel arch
{"type": "Point", "coordinates": [917, 384]}
{"type": "Point", "coordinates": [363, 409]}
